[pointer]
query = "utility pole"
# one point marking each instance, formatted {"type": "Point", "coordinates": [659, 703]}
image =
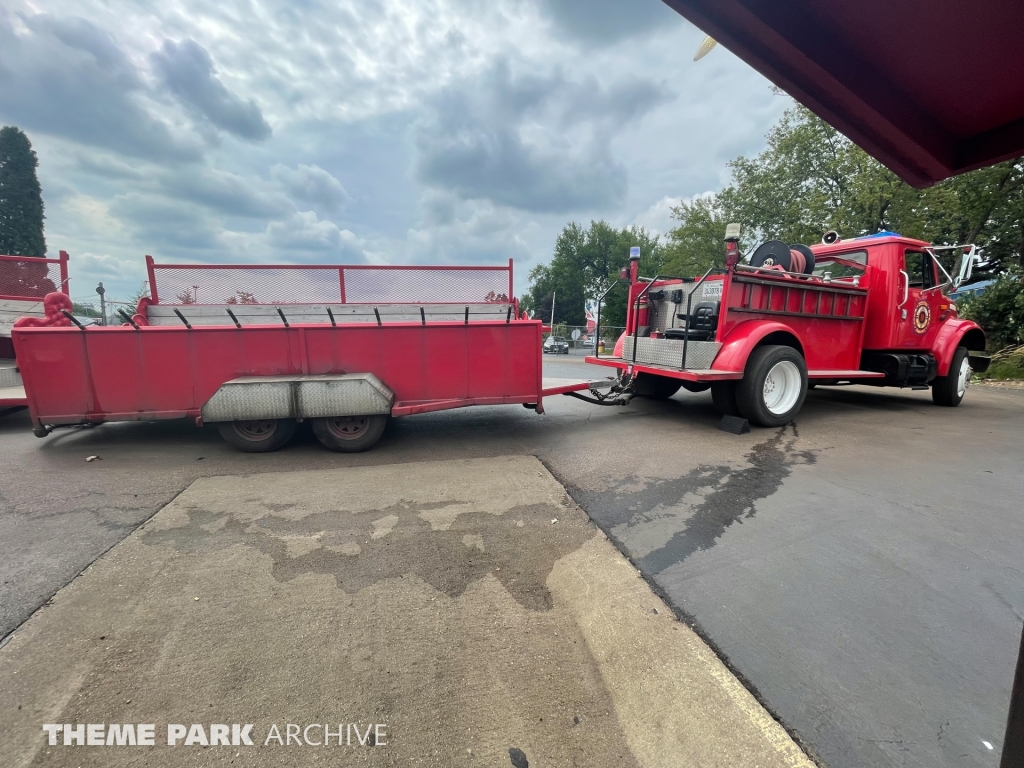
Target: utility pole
{"type": "Point", "coordinates": [552, 311]}
{"type": "Point", "coordinates": [103, 304]}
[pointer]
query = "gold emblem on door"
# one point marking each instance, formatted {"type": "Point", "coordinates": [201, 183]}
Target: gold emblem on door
{"type": "Point", "coordinates": [922, 316]}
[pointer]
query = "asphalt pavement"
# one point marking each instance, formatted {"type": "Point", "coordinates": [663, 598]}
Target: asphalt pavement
{"type": "Point", "coordinates": [860, 569]}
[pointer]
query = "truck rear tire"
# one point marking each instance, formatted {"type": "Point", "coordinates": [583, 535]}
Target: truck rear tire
{"type": "Point", "coordinates": [350, 434]}
{"type": "Point", "coordinates": [774, 386]}
{"type": "Point", "coordinates": [261, 436]}
{"type": "Point", "coordinates": [950, 389]}
{"type": "Point", "coordinates": [656, 387]}
{"type": "Point", "coordinates": [723, 395]}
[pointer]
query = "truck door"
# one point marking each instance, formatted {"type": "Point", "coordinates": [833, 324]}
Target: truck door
{"type": "Point", "coordinates": [917, 301]}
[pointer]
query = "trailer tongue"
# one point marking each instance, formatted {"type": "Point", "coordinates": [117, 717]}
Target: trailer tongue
{"type": "Point", "coordinates": [256, 348]}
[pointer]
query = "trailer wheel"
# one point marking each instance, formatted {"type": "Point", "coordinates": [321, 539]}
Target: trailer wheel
{"type": "Point", "coordinates": [774, 386]}
{"type": "Point", "coordinates": [656, 387]}
{"type": "Point", "coordinates": [349, 434]}
{"type": "Point", "coordinates": [950, 389]}
{"type": "Point", "coordinates": [695, 386]}
{"type": "Point", "coordinates": [260, 436]}
{"type": "Point", "coordinates": [723, 395]}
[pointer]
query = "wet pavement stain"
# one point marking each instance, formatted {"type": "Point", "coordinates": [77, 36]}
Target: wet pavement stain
{"type": "Point", "coordinates": [518, 547]}
{"type": "Point", "coordinates": [722, 496]}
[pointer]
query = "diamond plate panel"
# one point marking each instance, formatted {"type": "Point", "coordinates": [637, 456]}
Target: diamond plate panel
{"type": "Point", "coordinates": [309, 397]}
{"type": "Point", "coordinates": [668, 353]}
{"type": "Point", "coordinates": [351, 395]}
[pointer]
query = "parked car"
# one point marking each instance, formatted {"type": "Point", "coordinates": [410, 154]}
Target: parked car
{"type": "Point", "coordinates": [556, 345]}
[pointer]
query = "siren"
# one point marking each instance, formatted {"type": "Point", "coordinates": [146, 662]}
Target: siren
{"type": "Point", "coordinates": [830, 237]}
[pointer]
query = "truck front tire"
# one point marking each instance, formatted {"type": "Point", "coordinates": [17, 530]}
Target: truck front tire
{"type": "Point", "coordinates": [350, 434]}
{"type": "Point", "coordinates": [261, 436]}
{"type": "Point", "coordinates": [774, 386]}
{"type": "Point", "coordinates": [950, 389]}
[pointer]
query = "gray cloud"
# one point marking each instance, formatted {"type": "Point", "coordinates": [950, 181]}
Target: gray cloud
{"type": "Point", "coordinates": [313, 185]}
{"type": "Point", "coordinates": [187, 71]}
{"type": "Point", "coordinates": [227, 193]}
{"type": "Point", "coordinates": [539, 144]}
{"type": "Point", "coordinates": [306, 232]}
{"type": "Point", "coordinates": [173, 225]}
{"type": "Point", "coordinates": [68, 78]}
{"type": "Point", "coordinates": [607, 21]}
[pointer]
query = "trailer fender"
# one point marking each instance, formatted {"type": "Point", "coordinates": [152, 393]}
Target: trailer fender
{"type": "Point", "coordinates": [252, 398]}
{"type": "Point", "coordinates": [742, 340]}
{"type": "Point", "coordinates": [953, 334]}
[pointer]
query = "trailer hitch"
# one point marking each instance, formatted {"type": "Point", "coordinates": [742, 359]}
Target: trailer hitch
{"type": "Point", "coordinates": [620, 393]}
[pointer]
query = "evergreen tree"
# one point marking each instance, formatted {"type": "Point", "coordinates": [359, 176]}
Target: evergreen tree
{"type": "Point", "coordinates": [21, 199]}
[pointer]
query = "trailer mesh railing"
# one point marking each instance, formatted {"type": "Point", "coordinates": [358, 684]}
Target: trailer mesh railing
{"type": "Point", "coordinates": [327, 284]}
{"type": "Point", "coordinates": [28, 277]}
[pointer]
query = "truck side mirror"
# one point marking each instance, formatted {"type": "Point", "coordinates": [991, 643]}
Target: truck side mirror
{"type": "Point", "coordinates": [966, 267]}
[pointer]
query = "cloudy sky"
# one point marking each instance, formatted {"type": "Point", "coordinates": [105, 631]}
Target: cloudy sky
{"type": "Point", "coordinates": [352, 131]}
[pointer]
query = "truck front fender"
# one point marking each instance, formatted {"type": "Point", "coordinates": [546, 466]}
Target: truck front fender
{"type": "Point", "coordinates": [737, 346]}
{"type": "Point", "coordinates": [953, 334]}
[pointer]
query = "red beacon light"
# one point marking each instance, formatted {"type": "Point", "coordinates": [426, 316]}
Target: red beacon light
{"type": "Point", "coordinates": [732, 245]}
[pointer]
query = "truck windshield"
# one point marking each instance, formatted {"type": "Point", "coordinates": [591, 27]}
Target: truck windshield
{"type": "Point", "coordinates": [841, 265]}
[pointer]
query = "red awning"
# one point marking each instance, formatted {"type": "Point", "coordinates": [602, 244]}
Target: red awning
{"type": "Point", "coordinates": [931, 88]}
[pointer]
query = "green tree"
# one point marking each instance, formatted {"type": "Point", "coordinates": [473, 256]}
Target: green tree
{"type": "Point", "coordinates": [21, 200]}
{"type": "Point", "coordinates": [697, 243]}
{"type": "Point", "coordinates": [1000, 310]}
{"type": "Point", "coordinates": [585, 262]}
{"type": "Point", "coordinates": [811, 179]}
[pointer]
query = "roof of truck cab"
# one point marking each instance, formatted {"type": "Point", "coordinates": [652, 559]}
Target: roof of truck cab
{"type": "Point", "coordinates": [930, 89]}
{"type": "Point", "coordinates": [863, 243]}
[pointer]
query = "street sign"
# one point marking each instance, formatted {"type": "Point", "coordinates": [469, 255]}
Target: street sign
{"type": "Point", "coordinates": [575, 334]}
{"type": "Point", "coordinates": [634, 252]}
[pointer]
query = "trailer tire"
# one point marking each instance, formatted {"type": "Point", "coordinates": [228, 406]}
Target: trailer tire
{"type": "Point", "coordinates": [350, 434]}
{"type": "Point", "coordinates": [260, 436]}
{"type": "Point", "coordinates": [949, 390]}
{"type": "Point", "coordinates": [695, 386]}
{"type": "Point", "coordinates": [774, 386]}
{"type": "Point", "coordinates": [656, 387]}
{"type": "Point", "coordinates": [723, 395]}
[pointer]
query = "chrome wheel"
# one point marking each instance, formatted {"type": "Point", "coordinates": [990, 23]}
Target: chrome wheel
{"type": "Point", "coordinates": [963, 380]}
{"type": "Point", "coordinates": [782, 387]}
{"type": "Point", "coordinates": [256, 431]}
{"type": "Point", "coordinates": [348, 427]}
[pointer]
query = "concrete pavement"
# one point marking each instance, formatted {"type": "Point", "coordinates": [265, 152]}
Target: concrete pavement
{"type": "Point", "coordinates": [467, 609]}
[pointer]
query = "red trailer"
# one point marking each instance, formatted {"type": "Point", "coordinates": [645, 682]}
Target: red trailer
{"type": "Point", "coordinates": [871, 310]}
{"type": "Point", "coordinates": [24, 283]}
{"type": "Point", "coordinates": [256, 348]}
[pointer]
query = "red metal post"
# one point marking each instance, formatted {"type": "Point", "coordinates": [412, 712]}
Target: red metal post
{"type": "Point", "coordinates": [341, 277]}
{"type": "Point", "coordinates": [511, 290]}
{"type": "Point", "coordinates": [64, 273]}
{"type": "Point", "coordinates": [152, 279]}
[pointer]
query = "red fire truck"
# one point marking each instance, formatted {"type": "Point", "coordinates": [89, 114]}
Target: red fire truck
{"type": "Point", "coordinates": [870, 310]}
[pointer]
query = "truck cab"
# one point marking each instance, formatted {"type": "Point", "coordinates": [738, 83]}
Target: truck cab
{"type": "Point", "coordinates": [761, 331]}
